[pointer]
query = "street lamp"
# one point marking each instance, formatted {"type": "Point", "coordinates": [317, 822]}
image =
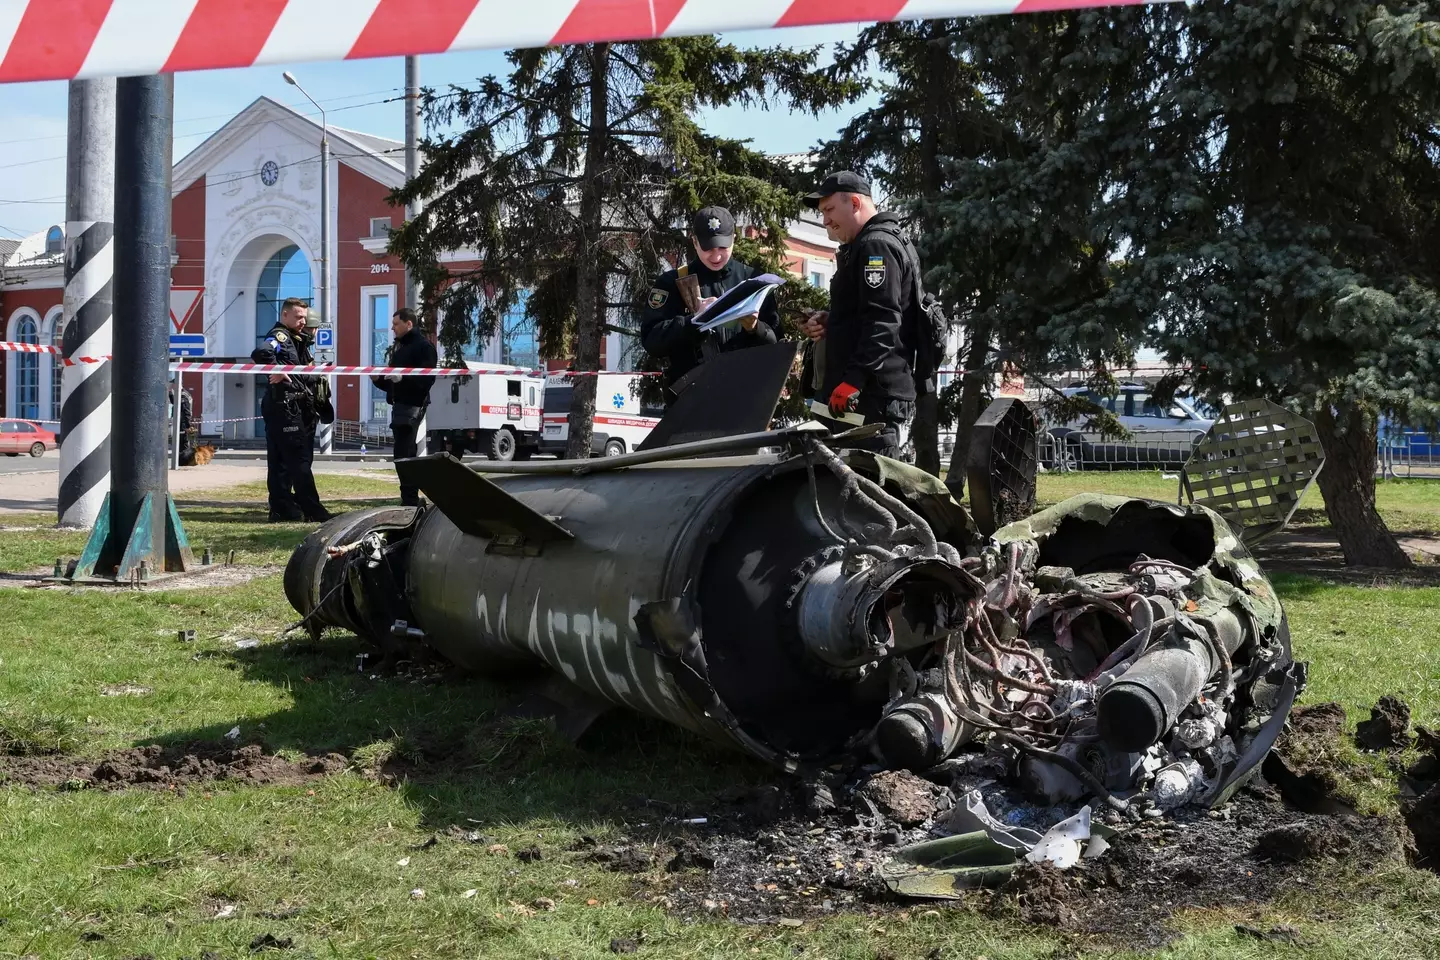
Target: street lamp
{"type": "Point", "coordinates": [326, 431]}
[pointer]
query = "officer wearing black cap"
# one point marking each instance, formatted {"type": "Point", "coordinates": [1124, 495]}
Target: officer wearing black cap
{"type": "Point", "coordinates": [869, 334]}
{"type": "Point", "coordinates": [665, 327]}
{"type": "Point", "coordinates": [292, 405]}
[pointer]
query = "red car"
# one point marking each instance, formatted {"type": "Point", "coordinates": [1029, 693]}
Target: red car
{"type": "Point", "coordinates": [25, 436]}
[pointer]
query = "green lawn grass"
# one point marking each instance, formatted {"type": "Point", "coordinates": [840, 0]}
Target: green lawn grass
{"type": "Point", "coordinates": [1411, 506]}
{"type": "Point", "coordinates": [223, 520]}
{"type": "Point", "coordinates": [148, 870]}
{"type": "Point", "coordinates": [332, 486]}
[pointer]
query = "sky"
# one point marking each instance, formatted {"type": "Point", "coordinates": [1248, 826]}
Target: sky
{"type": "Point", "coordinates": [358, 94]}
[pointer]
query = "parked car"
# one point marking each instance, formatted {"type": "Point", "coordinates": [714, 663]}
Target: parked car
{"type": "Point", "coordinates": [1161, 436]}
{"type": "Point", "coordinates": [25, 436]}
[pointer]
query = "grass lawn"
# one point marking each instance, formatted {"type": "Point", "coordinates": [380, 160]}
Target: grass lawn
{"type": "Point", "coordinates": [1407, 505]}
{"type": "Point", "coordinates": [335, 859]}
{"type": "Point", "coordinates": [215, 521]}
{"type": "Point", "coordinates": [332, 486]}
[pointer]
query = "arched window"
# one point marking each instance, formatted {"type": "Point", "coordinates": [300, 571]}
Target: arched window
{"type": "Point", "coordinates": [55, 240]}
{"type": "Point", "coordinates": [57, 364]}
{"type": "Point", "coordinates": [286, 274]}
{"type": "Point", "coordinates": [27, 372]}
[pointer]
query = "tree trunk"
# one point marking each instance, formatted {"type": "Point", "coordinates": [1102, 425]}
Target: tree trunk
{"type": "Point", "coordinates": [972, 398]}
{"type": "Point", "coordinates": [1348, 483]}
{"type": "Point", "coordinates": [588, 319]}
{"type": "Point", "coordinates": [925, 431]}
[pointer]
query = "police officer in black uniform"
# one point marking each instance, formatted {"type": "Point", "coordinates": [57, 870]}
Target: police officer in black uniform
{"type": "Point", "coordinates": [869, 333]}
{"type": "Point", "coordinates": [292, 405]}
{"type": "Point", "coordinates": [665, 328]}
{"type": "Point", "coordinates": [408, 396]}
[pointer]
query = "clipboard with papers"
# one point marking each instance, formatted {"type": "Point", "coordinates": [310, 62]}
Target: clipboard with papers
{"type": "Point", "coordinates": [739, 301]}
{"type": "Point", "coordinates": [822, 411]}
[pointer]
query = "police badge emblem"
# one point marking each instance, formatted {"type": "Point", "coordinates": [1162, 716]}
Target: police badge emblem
{"type": "Point", "coordinates": [713, 223]}
{"type": "Point", "coordinates": [874, 272]}
{"type": "Point", "coordinates": [658, 298]}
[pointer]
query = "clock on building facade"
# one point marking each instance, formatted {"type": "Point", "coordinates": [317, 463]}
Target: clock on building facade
{"type": "Point", "coordinates": [270, 173]}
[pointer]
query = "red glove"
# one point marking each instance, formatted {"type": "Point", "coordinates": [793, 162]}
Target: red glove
{"type": "Point", "coordinates": [842, 399]}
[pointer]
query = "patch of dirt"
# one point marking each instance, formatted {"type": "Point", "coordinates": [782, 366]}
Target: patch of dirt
{"type": "Point", "coordinates": [1388, 727]}
{"type": "Point", "coordinates": [801, 866]}
{"type": "Point", "coordinates": [1042, 893]}
{"type": "Point", "coordinates": [903, 797]}
{"type": "Point", "coordinates": [167, 768]}
{"type": "Point", "coordinates": [1310, 766]}
{"type": "Point", "coordinates": [622, 859]}
{"type": "Point", "coordinates": [1423, 819]}
{"type": "Point", "coordinates": [1318, 720]}
{"type": "Point", "coordinates": [216, 578]}
{"type": "Point", "coordinates": [1317, 838]}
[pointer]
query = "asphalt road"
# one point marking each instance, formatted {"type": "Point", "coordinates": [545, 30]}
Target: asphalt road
{"type": "Point", "coordinates": [28, 464]}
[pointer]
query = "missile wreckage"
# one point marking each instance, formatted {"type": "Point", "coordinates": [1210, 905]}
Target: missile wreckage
{"type": "Point", "coordinates": [815, 605]}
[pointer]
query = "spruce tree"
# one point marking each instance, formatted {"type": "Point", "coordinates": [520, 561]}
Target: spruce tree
{"type": "Point", "coordinates": [1289, 210]}
{"type": "Point", "coordinates": [573, 177]}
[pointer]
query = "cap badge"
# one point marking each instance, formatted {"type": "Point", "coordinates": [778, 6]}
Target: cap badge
{"type": "Point", "coordinates": [713, 223]}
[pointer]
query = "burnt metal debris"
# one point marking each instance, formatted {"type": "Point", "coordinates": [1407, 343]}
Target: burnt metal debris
{"type": "Point", "coordinates": [815, 605]}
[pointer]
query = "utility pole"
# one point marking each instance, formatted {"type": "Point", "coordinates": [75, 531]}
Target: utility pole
{"type": "Point", "coordinates": [327, 430]}
{"type": "Point", "coordinates": [139, 532]}
{"type": "Point", "coordinates": [89, 268]}
{"type": "Point", "coordinates": [412, 161]}
{"type": "Point", "coordinates": [412, 169]}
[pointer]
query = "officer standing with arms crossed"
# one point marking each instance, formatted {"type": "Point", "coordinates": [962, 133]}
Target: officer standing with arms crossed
{"type": "Point", "coordinates": [665, 328]}
{"type": "Point", "coordinates": [867, 339]}
{"type": "Point", "coordinates": [408, 396]}
{"type": "Point", "coordinates": [292, 405]}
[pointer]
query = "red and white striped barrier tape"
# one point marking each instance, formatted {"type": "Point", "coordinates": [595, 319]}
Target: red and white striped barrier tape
{"type": "Point", "coordinates": [209, 366]}
{"type": "Point", "coordinates": [50, 40]}
{"type": "Point", "coordinates": [205, 366]}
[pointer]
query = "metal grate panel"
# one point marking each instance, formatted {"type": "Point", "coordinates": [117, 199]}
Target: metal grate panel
{"type": "Point", "coordinates": [1254, 466]}
{"type": "Point", "coordinates": [1001, 467]}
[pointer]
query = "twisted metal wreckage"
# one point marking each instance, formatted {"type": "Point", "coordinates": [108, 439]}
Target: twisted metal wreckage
{"type": "Point", "coordinates": [810, 604]}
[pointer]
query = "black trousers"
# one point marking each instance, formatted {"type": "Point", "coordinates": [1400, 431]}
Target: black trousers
{"type": "Point", "coordinates": [895, 414]}
{"type": "Point", "coordinates": [289, 459]}
{"type": "Point", "coordinates": [406, 445]}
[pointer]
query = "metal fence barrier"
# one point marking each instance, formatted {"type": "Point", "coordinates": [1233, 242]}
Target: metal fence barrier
{"type": "Point", "coordinates": [1409, 453]}
{"type": "Point", "coordinates": [347, 433]}
{"type": "Point", "coordinates": [1142, 450]}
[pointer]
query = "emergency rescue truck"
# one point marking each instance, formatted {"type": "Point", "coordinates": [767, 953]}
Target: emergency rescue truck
{"type": "Point", "coordinates": [622, 420]}
{"type": "Point", "coordinates": [496, 412]}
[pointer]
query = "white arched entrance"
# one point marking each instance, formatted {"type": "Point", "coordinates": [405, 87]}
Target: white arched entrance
{"type": "Point", "coordinates": [264, 270]}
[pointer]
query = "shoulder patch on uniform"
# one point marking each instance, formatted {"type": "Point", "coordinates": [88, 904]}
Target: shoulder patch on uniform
{"type": "Point", "coordinates": [280, 335]}
{"type": "Point", "coordinates": [658, 298]}
{"type": "Point", "coordinates": [874, 271]}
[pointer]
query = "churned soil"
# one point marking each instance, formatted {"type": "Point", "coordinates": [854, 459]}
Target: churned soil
{"type": "Point", "coordinates": [158, 767]}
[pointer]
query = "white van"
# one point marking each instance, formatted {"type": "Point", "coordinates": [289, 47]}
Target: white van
{"type": "Point", "coordinates": [622, 421]}
{"type": "Point", "coordinates": [496, 413]}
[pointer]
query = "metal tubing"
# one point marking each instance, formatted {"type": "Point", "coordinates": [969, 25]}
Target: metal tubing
{"type": "Point", "coordinates": [743, 443]}
{"type": "Point", "coordinates": [143, 109]}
